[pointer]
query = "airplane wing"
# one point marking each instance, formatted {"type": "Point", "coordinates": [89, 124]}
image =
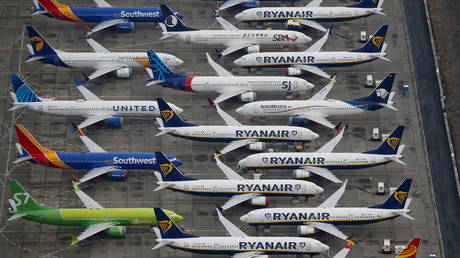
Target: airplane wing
{"type": "Point", "coordinates": [91, 230]}
{"type": "Point", "coordinates": [87, 201]}
{"type": "Point", "coordinates": [237, 199]}
{"type": "Point", "coordinates": [102, 3]}
{"type": "Point", "coordinates": [323, 172]}
{"type": "Point", "coordinates": [321, 95]}
{"type": "Point", "coordinates": [229, 94]}
{"type": "Point", "coordinates": [313, 69]}
{"type": "Point", "coordinates": [87, 94]}
{"type": "Point", "coordinates": [329, 228]}
{"type": "Point", "coordinates": [233, 230]}
{"type": "Point", "coordinates": [105, 25]}
{"type": "Point", "coordinates": [225, 24]}
{"type": "Point", "coordinates": [219, 69]}
{"type": "Point", "coordinates": [232, 48]}
{"type": "Point", "coordinates": [317, 118]}
{"type": "Point", "coordinates": [247, 255]}
{"type": "Point", "coordinates": [319, 44]}
{"type": "Point", "coordinates": [229, 120]}
{"type": "Point", "coordinates": [98, 48]}
{"type": "Point", "coordinates": [94, 119]}
{"type": "Point", "coordinates": [230, 3]}
{"type": "Point", "coordinates": [92, 146]}
{"type": "Point", "coordinates": [314, 3]}
{"type": "Point", "coordinates": [236, 144]}
{"type": "Point", "coordinates": [95, 172]}
{"type": "Point", "coordinates": [229, 173]}
{"type": "Point", "coordinates": [344, 252]}
{"type": "Point", "coordinates": [311, 23]}
{"type": "Point", "coordinates": [334, 198]}
{"type": "Point", "coordinates": [104, 69]}
{"type": "Point", "coordinates": [330, 145]}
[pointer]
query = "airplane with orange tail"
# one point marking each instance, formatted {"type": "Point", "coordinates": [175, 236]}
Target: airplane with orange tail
{"type": "Point", "coordinates": [411, 249]}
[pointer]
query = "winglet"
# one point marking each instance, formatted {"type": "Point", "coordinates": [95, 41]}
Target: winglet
{"type": "Point", "coordinates": [75, 186]}
{"type": "Point", "coordinates": [75, 128]}
{"type": "Point", "coordinates": [76, 81]}
{"type": "Point", "coordinates": [219, 208]}
{"type": "Point", "coordinates": [211, 103]}
{"type": "Point", "coordinates": [74, 241]}
{"type": "Point", "coordinates": [338, 127]}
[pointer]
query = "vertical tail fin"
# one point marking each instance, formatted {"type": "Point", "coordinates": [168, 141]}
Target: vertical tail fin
{"type": "Point", "coordinates": [28, 142]}
{"type": "Point", "coordinates": [367, 4]}
{"type": "Point", "coordinates": [39, 44]}
{"type": "Point", "coordinates": [169, 117]}
{"type": "Point", "coordinates": [171, 21]}
{"type": "Point", "coordinates": [159, 69]}
{"type": "Point", "coordinates": [169, 172]}
{"type": "Point", "coordinates": [168, 228]}
{"type": "Point", "coordinates": [411, 249]}
{"type": "Point", "coordinates": [397, 199]}
{"type": "Point", "coordinates": [376, 42]}
{"type": "Point", "coordinates": [23, 92]}
{"type": "Point", "coordinates": [390, 145]}
{"type": "Point", "coordinates": [381, 94]}
{"type": "Point", "coordinates": [22, 201]}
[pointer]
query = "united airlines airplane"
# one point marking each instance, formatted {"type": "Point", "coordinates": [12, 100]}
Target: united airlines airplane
{"type": "Point", "coordinates": [236, 187]}
{"type": "Point", "coordinates": [312, 59]}
{"type": "Point", "coordinates": [234, 132]}
{"type": "Point", "coordinates": [318, 108]}
{"type": "Point", "coordinates": [326, 216]}
{"type": "Point", "coordinates": [238, 244]}
{"type": "Point", "coordinates": [92, 108]}
{"type": "Point", "coordinates": [226, 85]}
{"type": "Point", "coordinates": [324, 159]}
{"type": "Point", "coordinates": [231, 37]}
{"type": "Point", "coordinates": [105, 15]}
{"type": "Point", "coordinates": [102, 60]}
{"type": "Point", "coordinates": [97, 160]}
{"type": "Point", "coordinates": [312, 13]}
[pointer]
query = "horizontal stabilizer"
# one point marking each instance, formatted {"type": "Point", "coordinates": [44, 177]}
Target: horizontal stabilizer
{"type": "Point", "coordinates": [16, 216]}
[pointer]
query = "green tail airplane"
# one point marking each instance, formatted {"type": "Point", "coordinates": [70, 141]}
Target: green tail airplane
{"type": "Point", "coordinates": [94, 217]}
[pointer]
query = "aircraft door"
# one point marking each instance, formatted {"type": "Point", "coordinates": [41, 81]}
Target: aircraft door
{"type": "Point", "coordinates": [214, 188]}
{"type": "Point", "coordinates": [207, 85]}
{"type": "Point", "coordinates": [351, 216]}
{"type": "Point", "coordinates": [73, 109]}
{"type": "Point", "coordinates": [296, 84]}
{"type": "Point", "coordinates": [256, 109]}
{"type": "Point", "coordinates": [188, 38]}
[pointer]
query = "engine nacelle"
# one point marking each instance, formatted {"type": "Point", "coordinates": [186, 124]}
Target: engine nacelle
{"type": "Point", "coordinates": [292, 71]}
{"type": "Point", "coordinates": [118, 175]}
{"type": "Point", "coordinates": [259, 201]}
{"type": "Point", "coordinates": [304, 230]}
{"type": "Point", "coordinates": [255, 49]}
{"type": "Point", "coordinates": [124, 73]}
{"type": "Point", "coordinates": [248, 96]}
{"type": "Point", "coordinates": [298, 121]}
{"type": "Point", "coordinates": [257, 146]}
{"type": "Point", "coordinates": [301, 174]}
{"type": "Point", "coordinates": [116, 232]}
{"type": "Point", "coordinates": [251, 4]}
{"type": "Point", "coordinates": [114, 122]}
{"type": "Point", "coordinates": [291, 25]}
{"type": "Point", "coordinates": [125, 27]}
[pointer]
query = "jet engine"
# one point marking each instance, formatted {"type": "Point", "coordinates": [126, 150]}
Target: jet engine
{"type": "Point", "coordinates": [125, 27]}
{"type": "Point", "coordinates": [259, 201]}
{"type": "Point", "coordinates": [292, 71]}
{"type": "Point", "coordinates": [116, 232]}
{"type": "Point", "coordinates": [298, 121]}
{"type": "Point", "coordinates": [257, 146]}
{"type": "Point", "coordinates": [301, 174]}
{"type": "Point", "coordinates": [118, 175]}
{"type": "Point", "coordinates": [124, 73]}
{"type": "Point", "coordinates": [114, 122]}
{"type": "Point", "coordinates": [304, 230]}
{"type": "Point", "coordinates": [292, 25]}
{"type": "Point", "coordinates": [248, 96]}
{"type": "Point", "coordinates": [255, 49]}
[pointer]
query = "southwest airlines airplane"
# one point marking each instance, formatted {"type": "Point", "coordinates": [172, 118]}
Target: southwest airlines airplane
{"type": "Point", "coordinates": [92, 108]}
{"type": "Point", "coordinates": [238, 244]}
{"type": "Point", "coordinates": [225, 84]}
{"type": "Point", "coordinates": [236, 187]}
{"type": "Point", "coordinates": [318, 108]}
{"type": "Point", "coordinates": [97, 160]}
{"type": "Point", "coordinates": [312, 13]}
{"type": "Point", "coordinates": [102, 60]}
{"type": "Point", "coordinates": [234, 132]}
{"type": "Point", "coordinates": [94, 217]}
{"type": "Point", "coordinates": [104, 14]}
{"type": "Point", "coordinates": [312, 59]}
{"type": "Point", "coordinates": [324, 159]}
{"type": "Point", "coordinates": [231, 37]}
{"type": "Point", "coordinates": [326, 216]}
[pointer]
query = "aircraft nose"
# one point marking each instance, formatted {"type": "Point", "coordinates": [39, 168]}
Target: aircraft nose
{"type": "Point", "coordinates": [319, 189]}
{"type": "Point", "coordinates": [178, 110]}
{"type": "Point", "coordinates": [306, 39]}
{"type": "Point", "coordinates": [238, 61]}
{"type": "Point", "coordinates": [244, 218]}
{"type": "Point", "coordinates": [242, 163]}
{"type": "Point", "coordinates": [177, 218]}
{"type": "Point", "coordinates": [323, 247]}
{"type": "Point", "coordinates": [241, 110]}
{"type": "Point", "coordinates": [239, 16]}
{"type": "Point", "coordinates": [314, 135]}
{"type": "Point", "coordinates": [178, 61]}
{"type": "Point", "coordinates": [177, 162]}
{"type": "Point", "coordinates": [308, 85]}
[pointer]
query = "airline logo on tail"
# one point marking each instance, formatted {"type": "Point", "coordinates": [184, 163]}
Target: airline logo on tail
{"type": "Point", "coordinates": [377, 41]}
{"type": "Point", "coordinates": [411, 249]}
{"type": "Point", "coordinates": [166, 168]}
{"type": "Point", "coordinates": [393, 142]}
{"type": "Point", "coordinates": [165, 225]}
{"type": "Point", "coordinates": [382, 93]}
{"type": "Point", "coordinates": [167, 114]}
{"type": "Point", "coordinates": [37, 42]}
{"type": "Point", "coordinates": [400, 196]}
{"type": "Point", "coordinates": [171, 21]}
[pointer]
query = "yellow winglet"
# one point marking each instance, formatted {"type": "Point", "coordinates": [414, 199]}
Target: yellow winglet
{"type": "Point", "coordinates": [75, 186]}
{"type": "Point", "coordinates": [218, 154]}
{"type": "Point", "coordinates": [74, 241]}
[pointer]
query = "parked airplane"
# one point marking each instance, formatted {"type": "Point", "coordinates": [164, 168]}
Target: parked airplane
{"type": "Point", "coordinates": [324, 159]}
{"type": "Point", "coordinates": [234, 132]}
{"type": "Point", "coordinates": [94, 217]}
{"type": "Point", "coordinates": [311, 14]}
{"type": "Point", "coordinates": [318, 108]}
{"type": "Point", "coordinates": [247, 3]}
{"type": "Point", "coordinates": [92, 108]}
{"type": "Point", "coordinates": [102, 60]}
{"type": "Point", "coordinates": [238, 244]}
{"type": "Point", "coordinates": [326, 216]}
{"type": "Point", "coordinates": [236, 187]}
{"type": "Point", "coordinates": [225, 83]}
{"type": "Point", "coordinates": [312, 59]}
{"type": "Point", "coordinates": [411, 249]}
{"type": "Point", "coordinates": [105, 15]}
{"type": "Point", "coordinates": [97, 160]}
{"type": "Point", "coordinates": [231, 37]}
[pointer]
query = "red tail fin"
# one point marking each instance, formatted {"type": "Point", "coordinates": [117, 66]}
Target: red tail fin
{"type": "Point", "coordinates": [411, 249]}
{"type": "Point", "coordinates": [28, 142]}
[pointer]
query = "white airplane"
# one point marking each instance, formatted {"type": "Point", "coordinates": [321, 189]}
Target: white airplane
{"type": "Point", "coordinates": [324, 160]}
{"type": "Point", "coordinates": [231, 37]}
{"type": "Point", "coordinates": [238, 244]}
{"type": "Point", "coordinates": [311, 14]}
{"type": "Point", "coordinates": [225, 84]}
{"type": "Point", "coordinates": [236, 187]}
{"type": "Point", "coordinates": [234, 132]}
{"type": "Point", "coordinates": [92, 108]}
{"type": "Point", "coordinates": [248, 3]}
{"type": "Point", "coordinates": [102, 60]}
{"type": "Point", "coordinates": [311, 60]}
{"type": "Point", "coordinates": [318, 108]}
{"type": "Point", "coordinates": [326, 216]}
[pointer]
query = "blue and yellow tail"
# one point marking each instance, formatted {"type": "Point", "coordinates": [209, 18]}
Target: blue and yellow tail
{"type": "Point", "coordinates": [367, 4]}
{"type": "Point", "coordinates": [39, 44]}
{"type": "Point", "coordinates": [169, 117]}
{"type": "Point", "coordinates": [171, 21]}
{"type": "Point", "coordinates": [168, 171]}
{"type": "Point", "coordinates": [168, 229]}
{"type": "Point", "coordinates": [397, 199]}
{"type": "Point", "coordinates": [22, 91]}
{"type": "Point", "coordinates": [375, 43]}
{"type": "Point", "coordinates": [390, 145]}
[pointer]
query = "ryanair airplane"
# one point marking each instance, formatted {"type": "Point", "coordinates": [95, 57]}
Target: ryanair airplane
{"type": "Point", "coordinates": [326, 216]}
{"type": "Point", "coordinates": [238, 244]}
{"type": "Point", "coordinates": [234, 132]}
{"type": "Point", "coordinates": [97, 160]}
{"type": "Point", "coordinates": [324, 159]}
{"type": "Point", "coordinates": [236, 187]}
{"type": "Point", "coordinates": [105, 15]}
{"type": "Point", "coordinates": [311, 14]}
{"type": "Point", "coordinates": [312, 59]}
{"type": "Point", "coordinates": [92, 107]}
{"type": "Point", "coordinates": [248, 3]}
{"type": "Point", "coordinates": [102, 60]}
